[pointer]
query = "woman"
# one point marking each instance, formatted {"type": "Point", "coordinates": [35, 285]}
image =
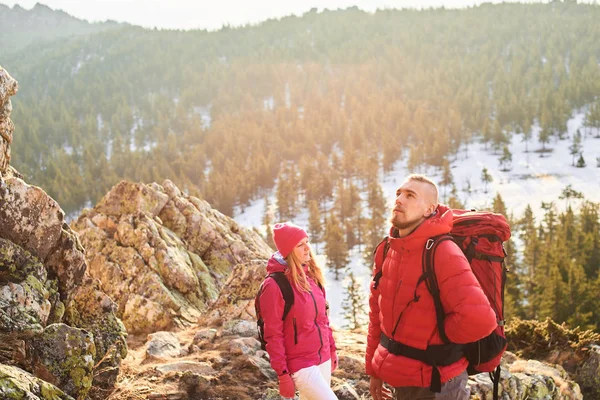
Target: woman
{"type": "Point", "coordinates": [301, 347]}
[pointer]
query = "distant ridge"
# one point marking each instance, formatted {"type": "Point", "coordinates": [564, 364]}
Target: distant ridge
{"type": "Point", "coordinates": [22, 27]}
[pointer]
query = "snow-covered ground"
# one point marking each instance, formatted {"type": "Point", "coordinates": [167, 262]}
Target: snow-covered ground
{"type": "Point", "coordinates": [531, 180]}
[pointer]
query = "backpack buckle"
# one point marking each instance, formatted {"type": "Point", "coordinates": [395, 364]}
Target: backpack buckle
{"type": "Point", "coordinates": [429, 244]}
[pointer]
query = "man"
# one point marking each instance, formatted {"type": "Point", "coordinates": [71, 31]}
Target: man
{"type": "Point", "coordinates": [402, 314]}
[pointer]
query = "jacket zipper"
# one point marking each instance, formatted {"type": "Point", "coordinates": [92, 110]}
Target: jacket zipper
{"type": "Point", "coordinates": [394, 306]}
{"type": "Point", "coordinates": [295, 332]}
{"type": "Point", "coordinates": [317, 325]}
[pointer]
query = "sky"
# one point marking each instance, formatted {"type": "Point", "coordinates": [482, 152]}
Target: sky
{"type": "Point", "coordinates": [212, 15]}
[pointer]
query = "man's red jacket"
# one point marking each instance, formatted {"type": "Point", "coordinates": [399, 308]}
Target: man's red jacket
{"type": "Point", "coordinates": [398, 300]}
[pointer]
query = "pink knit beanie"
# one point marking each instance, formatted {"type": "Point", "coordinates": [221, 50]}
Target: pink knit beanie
{"type": "Point", "coordinates": [286, 236]}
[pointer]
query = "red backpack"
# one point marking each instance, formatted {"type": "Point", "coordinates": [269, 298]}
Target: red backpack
{"type": "Point", "coordinates": [480, 235]}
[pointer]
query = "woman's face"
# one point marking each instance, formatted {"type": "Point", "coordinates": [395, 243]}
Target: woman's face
{"type": "Point", "coordinates": [302, 250]}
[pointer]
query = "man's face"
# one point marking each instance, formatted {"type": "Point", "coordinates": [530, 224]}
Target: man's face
{"type": "Point", "coordinates": [413, 204]}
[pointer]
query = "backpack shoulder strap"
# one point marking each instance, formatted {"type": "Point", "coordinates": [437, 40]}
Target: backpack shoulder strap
{"type": "Point", "coordinates": [379, 263]}
{"type": "Point", "coordinates": [286, 291]}
{"type": "Point", "coordinates": [431, 281]}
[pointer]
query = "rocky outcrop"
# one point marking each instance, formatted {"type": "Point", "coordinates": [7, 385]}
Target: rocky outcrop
{"type": "Point", "coordinates": [161, 255]}
{"type": "Point", "coordinates": [575, 351]}
{"type": "Point", "coordinates": [55, 323]}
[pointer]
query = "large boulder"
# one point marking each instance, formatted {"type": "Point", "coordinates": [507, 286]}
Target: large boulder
{"type": "Point", "coordinates": [15, 383]}
{"type": "Point", "coordinates": [161, 255]}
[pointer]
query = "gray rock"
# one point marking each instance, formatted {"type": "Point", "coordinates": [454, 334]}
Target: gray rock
{"type": "Point", "coordinates": [201, 368]}
{"type": "Point", "coordinates": [240, 328]}
{"type": "Point", "coordinates": [345, 391]}
{"type": "Point", "coordinates": [163, 345]}
{"type": "Point", "coordinates": [207, 334]}
{"type": "Point", "coordinates": [263, 366]}
{"type": "Point", "coordinates": [16, 383]}
{"type": "Point", "coordinates": [589, 374]}
{"type": "Point", "coordinates": [244, 346]}
{"type": "Point", "coordinates": [64, 356]}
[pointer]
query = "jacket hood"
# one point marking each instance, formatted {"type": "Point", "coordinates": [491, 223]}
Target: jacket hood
{"type": "Point", "coordinates": [276, 263]}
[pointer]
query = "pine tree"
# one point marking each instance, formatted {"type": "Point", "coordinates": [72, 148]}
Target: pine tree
{"type": "Point", "coordinates": [527, 133]}
{"type": "Point", "coordinates": [454, 200]}
{"type": "Point", "coordinates": [498, 205]}
{"type": "Point", "coordinates": [286, 194]}
{"type": "Point", "coordinates": [569, 193]}
{"type": "Point", "coordinates": [446, 177]}
{"type": "Point", "coordinates": [545, 131]}
{"type": "Point", "coordinates": [498, 137]}
{"type": "Point", "coordinates": [532, 249]}
{"type": "Point", "coordinates": [551, 296]}
{"type": "Point", "coordinates": [267, 222]}
{"type": "Point", "coordinates": [588, 242]}
{"type": "Point", "coordinates": [354, 304]}
{"type": "Point", "coordinates": [335, 246]}
{"type": "Point", "coordinates": [315, 228]}
{"type": "Point", "coordinates": [506, 159]}
{"type": "Point", "coordinates": [374, 226]}
{"type": "Point", "coordinates": [580, 161]}
{"type": "Point", "coordinates": [486, 178]}
{"type": "Point", "coordinates": [575, 147]}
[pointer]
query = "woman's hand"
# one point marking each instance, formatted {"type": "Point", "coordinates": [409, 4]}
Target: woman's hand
{"type": "Point", "coordinates": [286, 386]}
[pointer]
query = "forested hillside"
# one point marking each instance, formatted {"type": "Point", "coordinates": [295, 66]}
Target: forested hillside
{"type": "Point", "coordinates": [134, 103]}
{"type": "Point", "coordinates": [315, 107]}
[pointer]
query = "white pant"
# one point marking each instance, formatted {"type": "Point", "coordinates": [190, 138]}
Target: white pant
{"type": "Point", "coordinates": [314, 383]}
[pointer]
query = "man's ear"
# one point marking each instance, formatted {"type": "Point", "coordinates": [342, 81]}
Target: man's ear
{"type": "Point", "coordinates": [430, 210]}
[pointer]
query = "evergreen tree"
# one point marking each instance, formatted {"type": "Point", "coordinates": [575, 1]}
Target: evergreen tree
{"type": "Point", "coordinates": [551, 296]}
{"type": "Point", "coordinates": [575, 147]}
{"type": "Point", "coordinates": [354, 304]}
{"type": "Point", "coordinates": [335, 246]}
{"type": "Point", "coordinates": [506, 159]}
{"type": "Point", "coordinates": [569, 193]}
{"type": "Point", "coordinates": [486, 178]}
{"type": "Point", "coordinates": [374, 226]}
{"type": "Point", "coordinates": [580, 161]}
{"type": "Point", "coordinates": [498, 137]}
{"type": "Point", "coordinates": [527, 134]}
{"type": "Point", "coordinates": [588, 242]}
{"type": "Point", "coordinates": [446, 177]}
{"type": "Point", "coordinates": [532, 249]}
{"type": "Point", "coordinates": [498, 205]}
{"type": "Point", "coordinates": [286, 194]}
{"type": "Point", "coordinates": [267, 222]}
{"type": "Point", "coordinates": [454, 200]}
{"type": "Point", "coordinates": [315, 228]}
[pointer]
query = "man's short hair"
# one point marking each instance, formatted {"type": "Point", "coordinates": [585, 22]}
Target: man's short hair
{"type": "Point", "coordinates": [424, 179]}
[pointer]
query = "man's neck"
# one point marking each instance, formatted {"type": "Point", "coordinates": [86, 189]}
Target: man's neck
{"type": "Point", "coordinates": [407, 231]}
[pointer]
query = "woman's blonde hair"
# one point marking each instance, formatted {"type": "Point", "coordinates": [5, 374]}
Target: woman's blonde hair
{"type": "Point", "coordinates": [295, 272]}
